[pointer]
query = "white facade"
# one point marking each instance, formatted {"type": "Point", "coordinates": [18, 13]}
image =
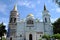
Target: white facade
{"type": "Point", "coordinates": [33, 29]}
{"type": "Point", "coordinates": [37, 29]}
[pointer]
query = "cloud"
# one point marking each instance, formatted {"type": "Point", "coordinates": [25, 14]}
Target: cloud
{"type": "Point", "coordinates": [28, 4]}
{"type": "Point", "coordinates": [5, 21]}
{"type": "Point", "coordinates": [52, 9]}
{"type": "Point", "coordinates": [3, 8]}
{"type": "Point", "coordinates": [57, 9]}
{"type": "Point", "coordinates": [49, 1]}
{"type": "Point", "coordinates": [53, 19]}
{"type": "Point", "coordinates": [38, 15]}
{"type": "Point", "coordinates": [38, 1]}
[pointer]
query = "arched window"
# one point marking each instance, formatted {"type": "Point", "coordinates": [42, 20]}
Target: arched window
{"type": "Point", "coordinates": [40, 35]}
{"type": "Point", "coordinates": [20, 35]}
{"type": "Point", "coordinates": [14, 20]}
{"type": "Point", "coordinates": [45, 19]}
{"type": "Point", "coordinates": [11, 38]}
{"type": "Point", "coordinates": [30, 22]}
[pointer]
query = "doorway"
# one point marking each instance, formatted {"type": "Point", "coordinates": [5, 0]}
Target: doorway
{"type": "Point", "coordinates": [30, 36]}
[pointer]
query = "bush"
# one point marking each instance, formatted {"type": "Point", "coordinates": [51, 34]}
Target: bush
{"type": "Point", "coordinates": [56, 36]}
{"type": "Point", "coordinates": [3, 38]}
{"type": "Point", "coordinates": [40, 39]}
{"type": "Point", "coordinates": [46, 36]}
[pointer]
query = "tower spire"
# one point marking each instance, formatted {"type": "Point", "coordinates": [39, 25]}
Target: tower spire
{"type": "Point", "coordinates": [15, 7]}
{"type": "Point", "coordinates": [44, 7]}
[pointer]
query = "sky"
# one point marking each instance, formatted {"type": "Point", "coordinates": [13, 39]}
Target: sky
{"type": "Point", "coordinates": [26, 7]}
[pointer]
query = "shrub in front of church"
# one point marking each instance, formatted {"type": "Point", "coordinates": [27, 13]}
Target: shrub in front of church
{"type": "Point", "coordinates": [3, 38]}
{"type": "Point", "coordinates": [40, 39]}
{"type": "Point", "coordinates": [46, 36]}
{"type": "Point", "coordinates": [56, 36]}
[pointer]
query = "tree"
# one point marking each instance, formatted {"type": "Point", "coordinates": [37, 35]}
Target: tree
{"type": "Point", "coordinates": [2, 30]}
{"type": "Point", "coordinates": [56, 26]}
{"type": "Point", "coordinates": [57, 2]}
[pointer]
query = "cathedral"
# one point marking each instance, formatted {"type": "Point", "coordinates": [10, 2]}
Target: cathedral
{"type": "Point", "coordinates": [29, 28]}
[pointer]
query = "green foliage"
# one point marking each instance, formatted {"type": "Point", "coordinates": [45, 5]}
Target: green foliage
{"type": "Point", "coordinates": [56, 26]}
{"type": "Point", "coordinates": [2, 30]}
{"type": "Point", "coordinates": [1, 24]}
{"type": "Point", "coordinates": [56, 36]}
{"type": "Point", "coordinates": [46, 36]}
{"type": "Point", "coordinates": [3, 38]}
{"type": "Point", "coordinates": [40, 39]}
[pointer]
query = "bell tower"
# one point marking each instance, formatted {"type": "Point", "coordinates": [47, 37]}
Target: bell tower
{"type": "Point", "coordinates": [46, 21]}
{"type": "Point", "coordinates": [13, 21]}
{"type": "Point", "coordinates": [46, 15]}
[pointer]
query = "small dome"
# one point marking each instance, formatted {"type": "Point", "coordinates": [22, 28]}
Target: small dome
{"type": "Point", "coordinates": [30, 15]}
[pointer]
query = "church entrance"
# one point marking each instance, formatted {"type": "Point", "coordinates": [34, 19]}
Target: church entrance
{"type": "Point", "coordinates": [30, 36]}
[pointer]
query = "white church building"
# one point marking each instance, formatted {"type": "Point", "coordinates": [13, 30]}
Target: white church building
{"type": "Point", "coordinates": [29, 28]}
